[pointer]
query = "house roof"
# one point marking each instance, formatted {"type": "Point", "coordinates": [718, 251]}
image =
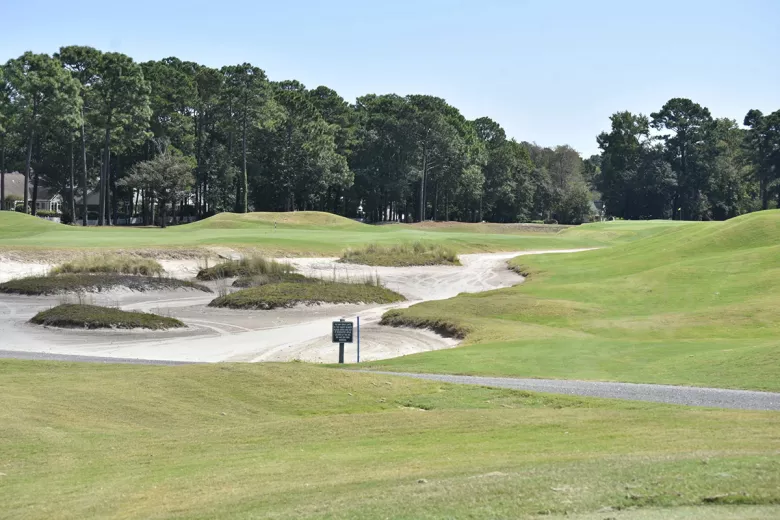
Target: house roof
{"type": "Point", "coordinates": [14, 185]}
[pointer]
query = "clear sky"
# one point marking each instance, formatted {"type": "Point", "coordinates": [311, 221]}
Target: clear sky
{"type": "Point", "coordinates": [548, 71]}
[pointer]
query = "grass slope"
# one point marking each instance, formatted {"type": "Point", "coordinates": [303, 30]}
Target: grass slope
{"type": "Point", "coordinates": [80, 316]}
{"type": "Point", "coordinates": [67, 283]}
{"type": "Point", "coordinates": [696, 304]}
{"type": "Point", "coordinates": [294, 441]}
{"type": "Point", "coordinates": [301, 233]}
{"type": "Point", "coordinates": [307, 291]}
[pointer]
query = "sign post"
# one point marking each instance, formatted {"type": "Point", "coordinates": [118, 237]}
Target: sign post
{"type": "Point", "coordinates": [342, 333]}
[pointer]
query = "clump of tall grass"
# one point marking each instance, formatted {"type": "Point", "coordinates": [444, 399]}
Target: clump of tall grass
{"type": "Point", "coordinates": [111, 264]}
{"type": "Point", "coordinates": [246, 267]}
{"type": "Point", "coordinates": [402, 255]}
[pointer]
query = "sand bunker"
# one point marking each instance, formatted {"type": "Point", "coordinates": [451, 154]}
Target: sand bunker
{"type": "Point", "coordinates": [212, 335]}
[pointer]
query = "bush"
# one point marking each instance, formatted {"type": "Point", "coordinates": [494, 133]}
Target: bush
{"type": "Point", "coordinates": [402, 255]}
{"type": "Point", "coordinates": [289, 294]}
{"type": "Point", "coordinates": [537, 222]}
{"type": "Point", "coordinates": [550, 221]}
{"type": "Point", "coordinates": [70, 283]}
{"type": "Point", "coordinates": [46, 213]}
{"type": "Point", "coordinates": [111, 264]}
{"type": "Point", "coordinates": [246, 267]}
{"type": "Point", "coordinates": [20, 209]}
{"type": "Point", "coordinates": [73, 315]}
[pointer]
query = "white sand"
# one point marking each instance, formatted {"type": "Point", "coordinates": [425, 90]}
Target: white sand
{"type": "Point", "coordinates": [214, 335]}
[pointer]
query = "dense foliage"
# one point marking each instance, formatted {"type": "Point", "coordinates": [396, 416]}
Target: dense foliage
{"type": "Point", "coordinates": [171, 138]}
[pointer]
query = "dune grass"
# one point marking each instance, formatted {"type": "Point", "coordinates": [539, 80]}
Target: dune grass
{"type": "Point", "coordinates": [306, 291]}
{"type": "Point", "coordinates": [247, 266]}
{"type": "Point", "coordinates": [113, 264]}
{"type": "Point", "coordinates": [80, 316]}
{"type": "Point", "coordinates": [300, 233]}
{"type": "Point", "coordinates": [698, 304]}
{"type": "Point", "coordinates": [74, 283]}
{"type": "Point", "coordinates": [296, 441]}
{"type": "Point", "coordinates": [402, 255]}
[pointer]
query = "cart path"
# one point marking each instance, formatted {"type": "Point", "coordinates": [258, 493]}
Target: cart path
{"type": "Point", "coordinates": [669, 394]}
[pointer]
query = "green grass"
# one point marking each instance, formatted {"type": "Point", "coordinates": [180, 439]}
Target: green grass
{"type": "Point", "coordinates": [247, 266]}
{"type": "Point", "coordinates": [308, 291]}
{"type": "Point", "coordinates": [402, 255]}
{"type": "Point", "coordinates": [301, 233]}
{"type": "Point", "coordinates": [80, 316]}
{"type": "Point", "coordinates": [692, 304]}
{"type": "Point", "coordinates": [69, 283]}
{"type": "Point", "coordinates": [114, 264]}
{"type": "Point", "coordinates": [295, 441]}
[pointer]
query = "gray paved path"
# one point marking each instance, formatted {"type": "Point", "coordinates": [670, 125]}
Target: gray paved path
{"type": "Point", "coordinates": [684, 395]}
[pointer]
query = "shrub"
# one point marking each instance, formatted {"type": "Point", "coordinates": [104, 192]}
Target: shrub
{"type": "Point", "coordinates": [74, 315]}
{"type": "Point", "coordinates": [46, 213]}
{"type": "Point", "coordinates": [67, 283]}
{"type": "Point", "coordinates": [115, 264]}
{"type": "Point", "coordinates": [245, 267]}
{"type": "Point", "coordinates": [401, 255]}
{"type": "Point", "coordinates": [550, 221]}
{"type": "Point", "coordinates": [289, 294]}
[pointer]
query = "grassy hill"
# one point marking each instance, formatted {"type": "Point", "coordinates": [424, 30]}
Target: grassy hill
{"type": "Point", "coordinates": [294, 441]}
{"type": "Point", "coordinates": [299, 233]}
{"type": "Point", "coordinates": [693, 304]}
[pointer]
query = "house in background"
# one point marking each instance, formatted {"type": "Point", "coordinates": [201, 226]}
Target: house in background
{"type": "Point", "coordinates": [48, 199]}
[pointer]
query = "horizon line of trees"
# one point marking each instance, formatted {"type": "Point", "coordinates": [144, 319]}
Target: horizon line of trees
{"type": "Point", "coordinates": [159, 135]}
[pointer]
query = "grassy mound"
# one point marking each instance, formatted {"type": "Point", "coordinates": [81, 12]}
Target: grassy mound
{"type": "Point", "coordinates": [282, 220]}
{"type": "Point", "coordinates": [298, 233]}
{"type": "Point", "coordinates": [264, 279]}
{"type": "Point", "coordinates": [114, 264]}
{"type": "Point", "coordinates": [310, 291]}
{"type": "Point", "coordinates": [79, 316]}
{"type": "Point", "coordinates": [246, 267]}
{"type": "Point", "coordinates": [402, 255]}
{"type": "Point", "coordinates": [65, 283]}
{"type": "Point", "coordinates": [145, 432]}
{"type": "Point", "coordinates": [698, 304]}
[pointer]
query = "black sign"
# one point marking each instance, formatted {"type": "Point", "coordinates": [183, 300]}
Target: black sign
{"type": "Point", "coordinates": [342, 332]}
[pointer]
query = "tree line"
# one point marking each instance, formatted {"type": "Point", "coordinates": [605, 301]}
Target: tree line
{"type": "Point", "coordinates": [682, 163]}
{"type": "Point", "coordinates": [176, 137]}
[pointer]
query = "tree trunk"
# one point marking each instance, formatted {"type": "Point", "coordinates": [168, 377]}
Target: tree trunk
{"type": "Point", "coordinates": [27, 169]}
{"type": "Point", "coordinates": [2, 175]}
{"type": "Point", "coordinates": [103, 179]}
{"type": "Point", "coordinates": [163, 214]}
{"type": "Point", "coordinates": [422, 186]}
{"type": "Point", "coordinates": [244, 179]}
{"type": "Point", "coordinates": [84, 205]}
{"type": "Point", "coordinates": [144, 209]}
{"type": "Point", "coordinates": [34, 205]}
{"type": "Point", "coordinates": [72, 208]}
{"type": "Point", "coordinates": [108, 186]}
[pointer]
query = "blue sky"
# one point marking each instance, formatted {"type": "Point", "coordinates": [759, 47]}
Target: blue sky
{"type": "Point", "coordinates": [548, 71]}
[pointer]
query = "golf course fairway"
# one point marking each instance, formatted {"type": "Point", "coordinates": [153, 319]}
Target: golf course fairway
{"type": "Point", "coordinates": [658, 302]}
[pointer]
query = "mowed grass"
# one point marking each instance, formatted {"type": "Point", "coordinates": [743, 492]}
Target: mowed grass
{"type": "Point", "coordinates": [81, 316]}
{"type": "Point", "coordinates": [300, 234]}
{"type": "Point", "coordinates": [696, 304]}
{"type": "Point", "coordinates": [295, 441]}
